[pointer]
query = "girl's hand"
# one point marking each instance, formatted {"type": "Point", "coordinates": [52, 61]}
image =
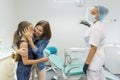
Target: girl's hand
{"type": "Point", "coordinates": [28, 34]}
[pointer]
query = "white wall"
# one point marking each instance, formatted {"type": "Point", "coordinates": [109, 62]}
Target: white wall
{"type": "Point", "coordinates": [7, 21]}
{"type": "Point", "coordinates": [64, 19]}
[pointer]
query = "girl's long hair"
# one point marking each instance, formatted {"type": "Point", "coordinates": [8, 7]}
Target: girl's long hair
{"type": "Point", "coordinates": [17, 36]}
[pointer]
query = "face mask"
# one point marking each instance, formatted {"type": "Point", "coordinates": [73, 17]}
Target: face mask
{"type": "Point", "coordinates": [91, 18]}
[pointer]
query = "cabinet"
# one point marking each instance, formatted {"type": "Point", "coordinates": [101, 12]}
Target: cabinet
{"type": "Point", "coordinates": [7, 68]}
{"type": "Point", "coordinates": [112, 59]}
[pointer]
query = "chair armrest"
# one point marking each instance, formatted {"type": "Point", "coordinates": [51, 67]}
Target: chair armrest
{"type": "Point", "coordinates": [73, 60]}
{"type": "Point", "coordinates": [68, 72]}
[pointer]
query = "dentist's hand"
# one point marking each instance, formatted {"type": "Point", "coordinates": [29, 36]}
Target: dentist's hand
{"type": "Point", "coordinates": [85, 68]}
{"type": "Point", "coordinates": [84, 22]}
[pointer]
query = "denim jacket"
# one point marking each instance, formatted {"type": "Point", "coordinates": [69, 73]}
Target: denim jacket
{"type": "Point", "coordinates": [38, 50]}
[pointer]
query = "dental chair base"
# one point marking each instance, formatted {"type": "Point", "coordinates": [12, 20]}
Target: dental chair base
{"type": "Point", "coordinates": [52, 68]}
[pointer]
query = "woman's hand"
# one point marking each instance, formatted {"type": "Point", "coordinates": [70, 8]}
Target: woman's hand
{"type": "Point", "coordinates": [85, 68]}
{"type": "Point", "coordinates": [22, 52]}
{"type": "Point", "coordinates": [44, 59]}
{"type": "Point", "coordinates": [28, 34]}
{"type": "Point", "coordinates": [90, 57]}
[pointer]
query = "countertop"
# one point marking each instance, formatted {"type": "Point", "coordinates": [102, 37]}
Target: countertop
{"type": "Point", "coordinates": [5, 53]}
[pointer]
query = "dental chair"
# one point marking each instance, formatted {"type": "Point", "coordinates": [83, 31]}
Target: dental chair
{"type": "Point", "coordinates": [74, 71]}
{"type": "Point", "coordinates": [51, 51]}
{"type": "Point", "coordinates": [68, 70]}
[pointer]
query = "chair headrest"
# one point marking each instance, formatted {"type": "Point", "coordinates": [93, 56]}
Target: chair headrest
{"type": "Point", "coordinates": [52, 50]}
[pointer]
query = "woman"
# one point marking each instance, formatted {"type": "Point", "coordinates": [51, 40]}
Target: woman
{"type": "Point", "coordinates": [95, 36]}
{"type": "Point", "coordinates": [42, 35]}
{"type": "Point", "coordinates": [24, 62]}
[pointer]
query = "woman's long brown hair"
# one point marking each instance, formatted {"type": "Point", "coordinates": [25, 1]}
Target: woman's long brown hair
{"type": "Point", "coordinates": [46, 28]}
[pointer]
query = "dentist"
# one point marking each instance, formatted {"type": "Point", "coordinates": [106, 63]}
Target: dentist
{"type": "Point", "coordinates": [95, 37]}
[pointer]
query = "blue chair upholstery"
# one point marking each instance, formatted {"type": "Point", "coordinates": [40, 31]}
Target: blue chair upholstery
{"type": "Point", "coordinates": [57, 61]}
{"type": "Point", "coordinates": [78, 69]}
{"type": "Point", "coordinates": [52, 50]}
